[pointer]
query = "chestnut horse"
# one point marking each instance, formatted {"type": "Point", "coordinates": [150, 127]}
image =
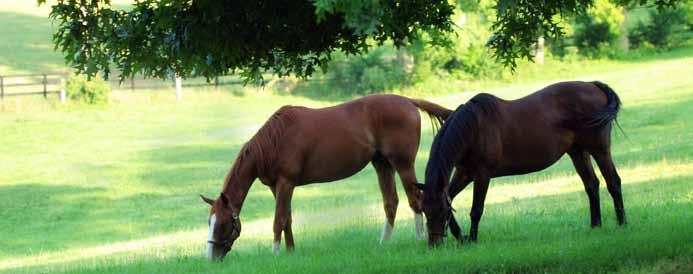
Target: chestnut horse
{"type": "Point", "coordinates": [489, 137]}
{"type": "Point", "coordinates": [299, 146]}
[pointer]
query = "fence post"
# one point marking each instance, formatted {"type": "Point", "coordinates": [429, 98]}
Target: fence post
{"type": "Point", "coordinates": [2, 88]}
{"type": "Point", "coordinates": [132, 83]}
{"type": "Point", "coordinates": [45, 86]}
{"type": "Point", "coordinates": [179, 88]}
{"type": "Point", "coordinates": [539, 55]}
{"type": "Point", "coordinates": [63, 96]}
{"type": "Point", "coordinates": [216, 82]}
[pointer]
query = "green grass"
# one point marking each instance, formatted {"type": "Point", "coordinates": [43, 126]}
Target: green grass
{"type": "Point", "coordinates": [113, 189]}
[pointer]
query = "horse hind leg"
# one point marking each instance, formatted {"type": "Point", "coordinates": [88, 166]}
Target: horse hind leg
{"type": "Point", "coordinates": [613, 181]}
{"type": "Point", "coordinates": [386, 180]}
{"type": "Point", "coordinates": [408, 177]}
{"type": "Point", "coordinates": [583, 166]}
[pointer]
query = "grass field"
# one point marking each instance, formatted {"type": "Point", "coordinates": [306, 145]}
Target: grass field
{"type": "Point", "coordinates": [113, 189]}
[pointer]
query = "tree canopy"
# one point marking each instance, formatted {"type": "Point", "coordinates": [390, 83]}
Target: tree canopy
{"type": "Point", "coordinates": [209, 38]}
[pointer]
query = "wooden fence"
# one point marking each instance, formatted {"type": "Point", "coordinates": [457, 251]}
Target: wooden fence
{"type": "Point", "coordinates": [33, 84]}
{"type": "Point", "coordinates": [136, 83]}
{"type": "Point", "coordinates": [54, 83]}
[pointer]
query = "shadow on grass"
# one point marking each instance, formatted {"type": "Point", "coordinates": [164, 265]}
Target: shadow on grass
{"type": "Point", "coordinates": [39, 217]}
{"type": "Point", "coordinates": [543, 234]}
{"type": "Point", "coordinates": [31, 209]}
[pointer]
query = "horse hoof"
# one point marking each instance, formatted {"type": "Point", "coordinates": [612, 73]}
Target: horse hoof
{"type": "Point", "coordinates": [467, 239]}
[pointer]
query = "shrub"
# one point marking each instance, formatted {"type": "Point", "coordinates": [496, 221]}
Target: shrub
{"type": "Point", "coordinates": [597, 30]}
{"type": "Point", "coordinates": [376, 71]}
{"type": "Point", "coordinates": [94, 91]}
{"type": "Point", "coordinates": [667, 28]}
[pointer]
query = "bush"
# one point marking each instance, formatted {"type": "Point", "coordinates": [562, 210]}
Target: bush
{"type": "Point", "coordinates": [378, 70]}
{"type": "Point", "coordinates": [667, 28]}
{"type": "Point", "coordinates": [597, 30]}
{"type": "Point", "coordinates": [94, 91]}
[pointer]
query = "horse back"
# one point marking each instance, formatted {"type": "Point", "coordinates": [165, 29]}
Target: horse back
{"type": "Point", "coordinates": [327, 144]}
{"type": "Point", "coordinates": [543, 123]}
{"type": "Point", "coordinates": [557, 105]}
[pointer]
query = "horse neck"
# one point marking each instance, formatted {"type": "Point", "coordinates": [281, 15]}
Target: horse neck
{"type": "Point", "coordinates": [451, 143]}
{"type": "Point", "coordinates": [239, 180]}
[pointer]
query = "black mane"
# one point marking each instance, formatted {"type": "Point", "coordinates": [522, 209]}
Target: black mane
{"type": "Point", "coordinates": [458, 132]}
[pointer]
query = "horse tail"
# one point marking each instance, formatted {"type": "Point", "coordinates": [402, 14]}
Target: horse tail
{"type": "Point", "coordinates": [609, 113]}
{"type": "Point", "coordinates": [437, 113]}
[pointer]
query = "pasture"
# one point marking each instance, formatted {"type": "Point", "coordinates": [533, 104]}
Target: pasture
{"type": "Point", "coordinates": [114, 189]}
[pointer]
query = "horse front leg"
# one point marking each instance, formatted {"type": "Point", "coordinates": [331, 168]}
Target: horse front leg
{"type": "Point", "coordinates": [386, 180]}
{"type": "Point", "coordinates": [282, 215]}
{"type": "Point", "coordinates": [458, 183]}
{"type": "Point", "coordinates": [481, 183]}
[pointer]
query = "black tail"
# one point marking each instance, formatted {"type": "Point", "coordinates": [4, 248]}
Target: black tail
{"type": "Point", "coordinates": [608, 114]}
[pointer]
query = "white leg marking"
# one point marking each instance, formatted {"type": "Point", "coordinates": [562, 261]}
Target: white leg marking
{"type": "Point", "coordinates": [212, 222]}
{"type": "Point", "coordinates": [275, 247]}
{"type": "Point", "coordinates": [418, 221]}
{"type": "Point", "coordinates": [387, 232]}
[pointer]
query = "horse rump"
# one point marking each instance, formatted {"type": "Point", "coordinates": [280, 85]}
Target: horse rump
{"type": "Point", "coordinates": [605, 116]}
{"type": "Point", "coordinates": [437, 113]}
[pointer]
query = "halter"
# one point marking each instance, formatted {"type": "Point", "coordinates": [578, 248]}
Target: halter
{"type": "Point", "coordinates": [449, 217]}
{"type": "Point", "coordinates": [225, 243]}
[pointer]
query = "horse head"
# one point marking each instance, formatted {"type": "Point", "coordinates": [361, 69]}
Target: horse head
{"type": "Point", "coordinates": [224, 227]}
{"type": "Point", "coordinates": [437, 209]}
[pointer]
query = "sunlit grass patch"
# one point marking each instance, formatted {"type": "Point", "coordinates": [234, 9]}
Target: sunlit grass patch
{"type": "Point", "coordinates": [113, 189]}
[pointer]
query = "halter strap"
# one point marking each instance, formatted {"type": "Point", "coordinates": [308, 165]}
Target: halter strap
{"type": "Point", "coordinates": [224, 243]}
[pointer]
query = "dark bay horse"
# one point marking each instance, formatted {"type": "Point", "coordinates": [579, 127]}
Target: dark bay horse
{"type": "Point", "coordinates": [299, 146]}
{"type": "Point", "coordinates": [489, 137]}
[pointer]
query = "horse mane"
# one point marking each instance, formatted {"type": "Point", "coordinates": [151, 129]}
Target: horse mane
{"type": "Point", "coordinates": [456, 135]}
{"type": "Point", "coordinates": [262, 147]}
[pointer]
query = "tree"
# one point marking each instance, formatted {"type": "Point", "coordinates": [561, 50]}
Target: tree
{"type": "Point", "coordinates": [217, 37]}
{"type": "Point", "coordinates": [520, 22]}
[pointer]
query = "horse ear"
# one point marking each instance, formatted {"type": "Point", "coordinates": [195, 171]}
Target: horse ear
{"type": "Point", "coordinates": [207, 200]}
{"type": "Point", "coordinates": [420, 186]}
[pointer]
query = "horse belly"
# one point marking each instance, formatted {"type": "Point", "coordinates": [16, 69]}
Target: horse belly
{"type": "Point", "coordinates": [532, 157]}
{"type": "Point", "coordinates": [330, 162]}
{"type": "Point", "coordinates": [523, 167]}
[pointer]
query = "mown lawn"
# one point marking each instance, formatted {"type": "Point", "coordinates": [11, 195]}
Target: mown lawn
{"type": "Point", "coordinates": [113, 189]}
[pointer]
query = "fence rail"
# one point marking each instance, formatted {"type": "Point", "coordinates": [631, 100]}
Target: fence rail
{"type": "Point", "coordinates": [54, 83]}
{"type": "Point", "coordinates": [135, 83]}
{"type": "Point", "coordinates": [38, 84]}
